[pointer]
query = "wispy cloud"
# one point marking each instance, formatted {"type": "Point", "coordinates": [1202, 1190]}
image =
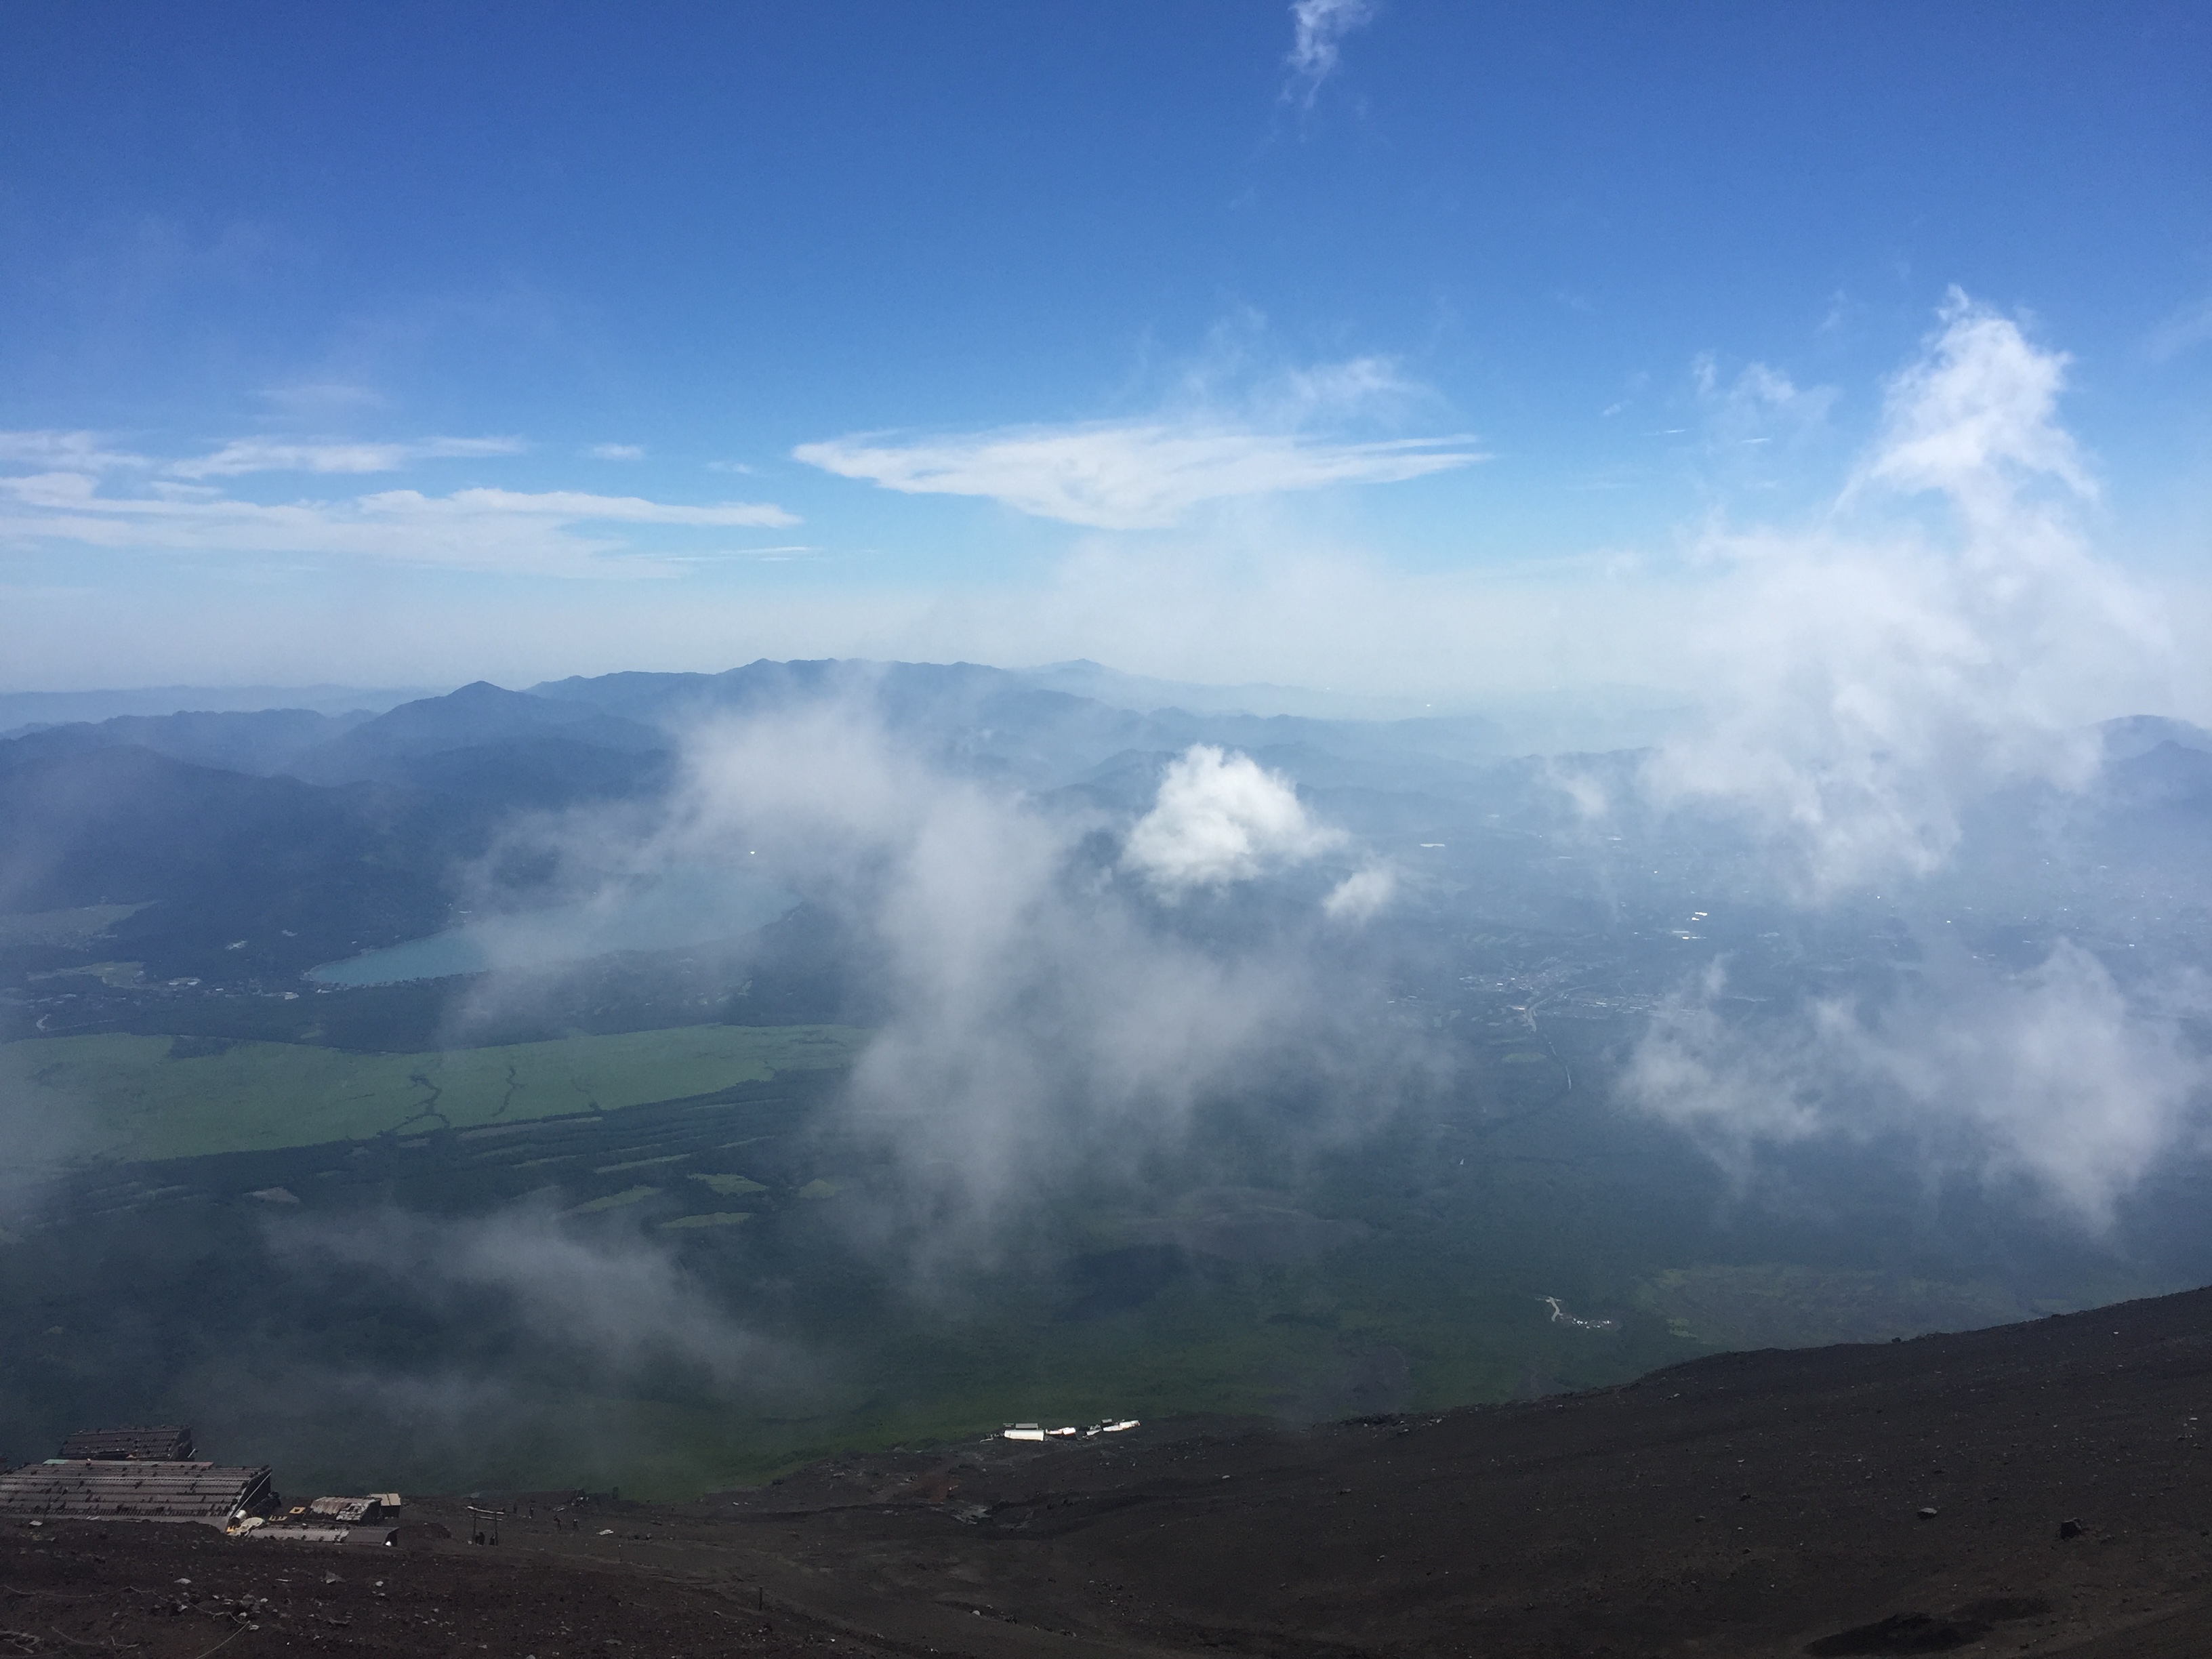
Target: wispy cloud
{"type": "Point", "coordinates": [246, 455]}
{"type": "Point", "coordinates": [2187, 329]}
{"type": "Point", "coordinates": [1040, 1015]}
{"type": "Point", "coordinates": [617, 452]}
{"type": "Point", "coordinates": [2055, 1075]}
{"type": "Point", "coordinates": [85, 452]}
{"type": "Point", "coordinates": [1872, 685]}
{"type": "Point", "coordinates": [1876, 680]}
{"type": "Point", "coordinates": [1136, 475]}
{"type": "Point", "coordinates": [572, 504]}
{"type": "Point", "coordinates": [611, 1302]}
{"type": "Point", "coordinates": [1758, 405]}
{"type": "Point", "coordinates": [1317, 31]}
{"type": "Point", "coordinates": [1975, 418]}
{"type": "Point", "coordinates": [1232, 421]}
{"type": "Point", "coordinates": [511, 531]}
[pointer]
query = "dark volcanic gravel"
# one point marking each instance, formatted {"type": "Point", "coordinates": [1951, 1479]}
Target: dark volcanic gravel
{"type": "Point", "coordinates": [1901, 1498]}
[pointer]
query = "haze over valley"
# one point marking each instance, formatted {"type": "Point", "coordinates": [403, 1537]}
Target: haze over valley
{"type": "Point", "coordinates": [1329, 827]}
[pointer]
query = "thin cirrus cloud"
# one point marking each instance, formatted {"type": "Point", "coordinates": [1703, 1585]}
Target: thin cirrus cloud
{"type": "Point", "coordinates": [1127, 475]}
{"type": "Point", "coordinates": [538, 534]}
{"type": "Point", "coordinates": [1317, 32]}
{"type": "Point", "coordinates": [2184, 331]}
{"type": "Point", "coordinates": [577, 504]}
{"type": "Point", "coordinates": [617, 452]}
{"type": "Point", "coordinates": [84, 452]}
{"type": "Point", "coordinates": [246, 455]}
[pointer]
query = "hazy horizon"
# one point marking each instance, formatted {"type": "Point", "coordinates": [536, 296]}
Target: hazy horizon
{"type": "Point", "coordinates": [1392, 350]}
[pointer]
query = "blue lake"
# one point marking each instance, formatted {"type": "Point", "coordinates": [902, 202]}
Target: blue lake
{"type": "Point", "coordinates": [666, 913]}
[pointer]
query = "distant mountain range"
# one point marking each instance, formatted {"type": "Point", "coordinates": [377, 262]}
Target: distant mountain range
{"type": "Point", "coordinates": [311, 833]}
{"type": "Point", "coordinates": [579, 737]}
{"type": "Point", "coordinates": [20, 711]}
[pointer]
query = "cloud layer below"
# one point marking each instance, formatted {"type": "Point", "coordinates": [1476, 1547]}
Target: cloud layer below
{"type": "Point", "coordinates": [2056, 1078]}
{"type": "Point", "coordinates": [1875, 680]}
{"type": "Point", "coordinates": [1046, 1013]}
{"type": "Point", "coordinates": [1874, 676]}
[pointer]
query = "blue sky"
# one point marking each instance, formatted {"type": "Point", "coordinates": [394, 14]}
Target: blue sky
{"type": "Point", "coordinates": [1405, 346]}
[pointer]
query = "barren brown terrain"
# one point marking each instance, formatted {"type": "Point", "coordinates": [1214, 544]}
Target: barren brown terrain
{"type": "Point", "coordinates": [1905, 1498]}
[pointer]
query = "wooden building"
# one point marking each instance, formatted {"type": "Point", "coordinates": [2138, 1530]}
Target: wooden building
{"type": "Point", "coordinates": [163, 1445]}
{"type": "Point", "coordinates": [98, 1489]}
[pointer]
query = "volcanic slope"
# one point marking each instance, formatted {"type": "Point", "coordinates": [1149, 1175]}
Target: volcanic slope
{"type": "Point", "coordinates": [1900, 1497]}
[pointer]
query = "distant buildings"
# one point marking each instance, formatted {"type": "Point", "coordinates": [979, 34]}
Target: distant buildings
{"type": "Point", "coordinates": [166, 1445]}
{"type": "Point", "coordinates": [1032, 1432]}
{"type": "Point", "coordinates": [150, 1474]}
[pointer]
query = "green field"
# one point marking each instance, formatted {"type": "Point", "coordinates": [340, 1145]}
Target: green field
{"type": "Point", "coordinates": [1781, 1305]}
{"type": "Point", "coordinates": [133, 1098]}
{"type": "Point", "coordinates": [70, 929]}
{"type": "Point", "coordinates": [232, 1262]}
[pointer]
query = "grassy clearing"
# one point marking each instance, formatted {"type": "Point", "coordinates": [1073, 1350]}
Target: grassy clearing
{"type": "Point", "coordinates": [1785, 1306]}
{"type": "Point", "coordinates": [617, 1201]}
{"type": "Point", "coordinates": [116, 975]}
{"type": "Point", "coordinates": [124, 1097]}
{"type": "Point", "coordinates": [70, 929]}
{"type": "Point", "coordinates": [729, 1186]}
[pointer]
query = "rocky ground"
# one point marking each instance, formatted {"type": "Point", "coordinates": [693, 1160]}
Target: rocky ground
{"type": "Point", "coordinates": [2035, 1489]}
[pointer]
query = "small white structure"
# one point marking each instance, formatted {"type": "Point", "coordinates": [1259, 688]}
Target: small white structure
{"type": "Point", "coordinates": [1037, 1432]}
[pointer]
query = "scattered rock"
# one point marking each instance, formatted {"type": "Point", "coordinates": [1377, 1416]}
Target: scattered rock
{"type": "Point", "coordinates": [2069, 1528]}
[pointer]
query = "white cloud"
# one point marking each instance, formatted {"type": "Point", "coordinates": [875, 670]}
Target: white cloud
{"type": "Point", "coordinates": [1358, 386]}
{"type": "Point", "coordinates": [572, 504]}
{"type": "Point", "coordinates": [85, 452]}
{"type": "Point", "coordinates": [1220, 817]}
{"type": "Point", "coordinates": [1975, 416]}
{"type": "Point", "coordinates": [617, 452]}
{"type": "Point", "coordinates": [1036, 1022]}
{"type": "Point", "coordinates": [2187, 329]}
{"type": "Point", "coordinates": [2053, 1076]}
{"type": "Point", "coordinates": [244, 455]}
{"type": "Point", "coordinates": [1233, 424]}
{"type": "Point", "coordinates": [1139, 476]}
{"type": "Point", "coordinates": [1318, 28]}
{"type": "Point", "coordinates": [1361, 895]}
{"type": "Point", "coordinates": [1874, 680]}
{"type": "Point", "coordinates": [510, 532]}
{"type": "Point", "coordinates": [613, 1302]}
{"type": "Point", "coordinates": [1760, 405]}
{"type": "Point", "coordinates": [1869, 686]}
